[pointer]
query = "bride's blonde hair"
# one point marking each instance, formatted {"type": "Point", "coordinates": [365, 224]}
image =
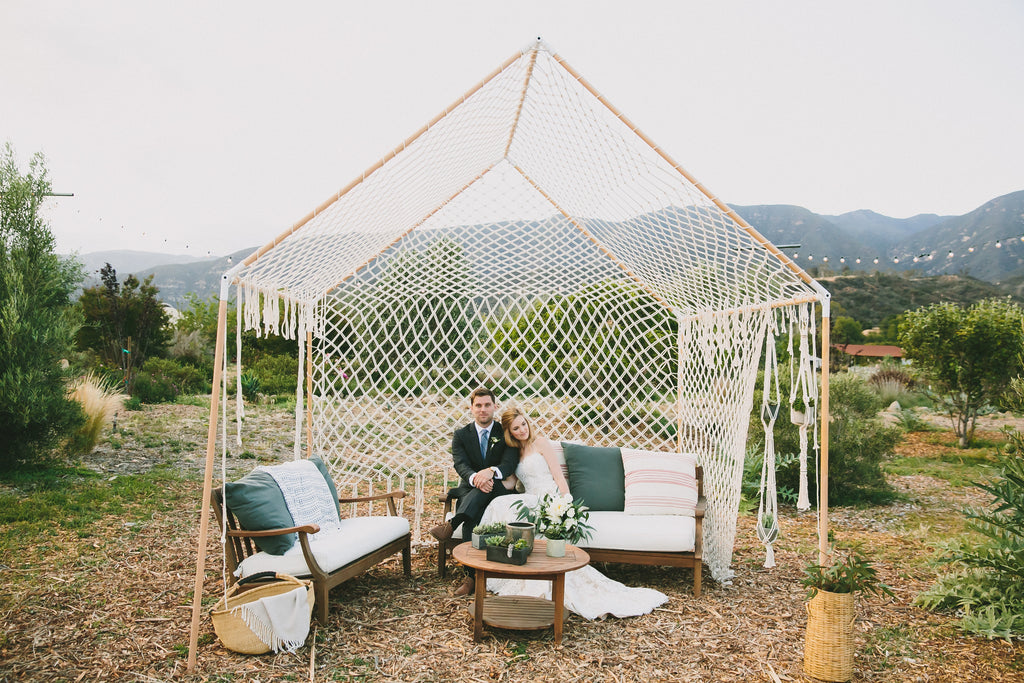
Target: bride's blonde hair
{"type": "Point", "coordinates": [507, 417]}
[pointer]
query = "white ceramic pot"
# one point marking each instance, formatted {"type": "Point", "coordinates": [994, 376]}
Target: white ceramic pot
{"type": "Point", "coordinates": [556, 547]}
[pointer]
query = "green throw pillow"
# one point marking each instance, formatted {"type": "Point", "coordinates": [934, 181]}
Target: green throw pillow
{"type": "Point", "coordinates": [596, 476]}
{"type": "Point", "coordinates": [258, 504]}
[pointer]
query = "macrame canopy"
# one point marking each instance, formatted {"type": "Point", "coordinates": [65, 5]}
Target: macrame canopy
{"type": "Point", "coordinates": [529, 238]}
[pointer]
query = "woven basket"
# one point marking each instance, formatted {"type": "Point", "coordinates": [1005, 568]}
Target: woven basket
{"type": "Point", "coordinates": [230, 627]}
{"type": "Point", "coordinates": [828, 651]}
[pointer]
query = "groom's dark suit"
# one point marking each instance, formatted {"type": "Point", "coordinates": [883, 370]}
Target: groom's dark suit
{"type": "Point", "coordinates": [469, 460]}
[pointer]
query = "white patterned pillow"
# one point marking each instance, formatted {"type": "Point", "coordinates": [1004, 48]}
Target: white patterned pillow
{"type": "Point", "coordinates": [659, 483]}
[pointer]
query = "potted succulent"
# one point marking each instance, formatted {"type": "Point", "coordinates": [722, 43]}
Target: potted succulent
{"type": "Point", "coordinates": [504, 549]}
{"type": "Point", "coordinates": [829, 646]}
{"type": "Point", "coordinates": [484, 531]}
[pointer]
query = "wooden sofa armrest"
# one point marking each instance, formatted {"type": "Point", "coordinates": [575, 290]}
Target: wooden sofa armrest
{"type": "Point", "coordinates": [390, 497]}
{"type": "Point", "coordinates": [702, 507]}
{"type": "Point", "coordinates": [245, 533]}
{"type": "Point", "coordinates": [380, 496]}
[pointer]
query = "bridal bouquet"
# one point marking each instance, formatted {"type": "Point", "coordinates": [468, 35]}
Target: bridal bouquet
{"type": "Point", "coordinates": [558, 517]}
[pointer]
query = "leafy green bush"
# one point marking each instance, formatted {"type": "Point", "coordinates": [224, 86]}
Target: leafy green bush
{"type": "Point", "coordinates": [586, 414]}
{"type": "Point", "coordinates": [858, 444]}
{"type": "Point", "coordinates": [162, 379]}
{"type": "Point", "coordinates": [190, 348]}
{"type": "Point", "coordinates": [985, 585]}
{"type": "Point", "coordinates": [277, 373]}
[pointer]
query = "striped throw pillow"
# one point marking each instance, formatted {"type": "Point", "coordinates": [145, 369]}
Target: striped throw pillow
{"type": "Point", "coordinates": [660, 483]}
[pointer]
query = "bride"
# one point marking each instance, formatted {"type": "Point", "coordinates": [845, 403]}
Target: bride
{"type": "Point", "coordinates": [588, 592]}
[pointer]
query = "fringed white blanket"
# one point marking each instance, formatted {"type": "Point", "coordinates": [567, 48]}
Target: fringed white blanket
{"type": "Point", "coordinates": [281, 622]}
{"type": "Point", "coordinates": [306, 494]}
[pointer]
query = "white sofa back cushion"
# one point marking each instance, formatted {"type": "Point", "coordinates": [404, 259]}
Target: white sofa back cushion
{"type": "Point", "coordinates": [659, 483]}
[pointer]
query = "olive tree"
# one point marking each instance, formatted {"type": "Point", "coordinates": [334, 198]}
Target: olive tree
{"type": "Point", "coordinates": [37, 320]}
{"type": "Point", "coordinates": [969, 354]}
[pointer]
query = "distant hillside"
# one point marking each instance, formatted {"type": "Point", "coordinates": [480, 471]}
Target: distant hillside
{"type": "Point", "coordinates": [878, 232]}
{"type": "Point", "coordinates": [870, 298]}
{"type": "Point", "coordinates": [127, 261]}
{"type": "Point", "coordinates": [175, 276]}
{"type": "Point", "coordinates": [986, 242]}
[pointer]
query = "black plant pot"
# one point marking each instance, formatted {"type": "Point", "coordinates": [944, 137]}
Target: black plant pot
{"type": "Point", "coordinates": [500, 554]}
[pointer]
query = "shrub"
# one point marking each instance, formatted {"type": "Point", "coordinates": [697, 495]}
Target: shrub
{"type": "Point", "coordinates": [162, 379]}
{"type": "Point", "coordinates": [985, 585]}
{"type": "Point", "coordinates": [858, 444]}
{"type": "Point", "coordinates": [190, 348]}
{"type": "Point", "coordinates": [99, 400]}
{"type": "Point", "coordinates": [276, 373]}
{"type": "Point", "coordinates": [37, 320]}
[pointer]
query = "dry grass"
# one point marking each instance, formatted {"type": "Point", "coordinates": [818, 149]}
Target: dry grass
{"type": "Point", "coordinates": [100, 401]}
{"type": "Point", "coordinates": [115, 603]}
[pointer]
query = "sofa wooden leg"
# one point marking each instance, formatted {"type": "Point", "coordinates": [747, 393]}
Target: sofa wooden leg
{"type": "Point", "coordinates": [321, 601]}
{"type": "Point", "coordinates": [696, 580]}
{"type": "Point", "coordinates": [407, 560]}
{"type": "Point", "coordinates": [442, 559]}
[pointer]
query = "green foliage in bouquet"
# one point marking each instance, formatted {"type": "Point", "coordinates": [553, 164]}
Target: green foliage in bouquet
{"type": "Point", "coordinates": [558, 517]}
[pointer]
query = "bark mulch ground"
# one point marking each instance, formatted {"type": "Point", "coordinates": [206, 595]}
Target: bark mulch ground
{"type": "Point", "coordinates": [115, 604]}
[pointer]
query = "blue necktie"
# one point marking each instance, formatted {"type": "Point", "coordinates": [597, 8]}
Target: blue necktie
{"type": "Point", "coordinates": [483, 443]}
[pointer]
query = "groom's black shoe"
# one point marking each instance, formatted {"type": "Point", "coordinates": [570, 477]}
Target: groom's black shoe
{"type": "Point", "coordinates": [442, 532]}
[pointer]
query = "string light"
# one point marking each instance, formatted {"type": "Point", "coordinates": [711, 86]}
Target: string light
{"type": "Point", "coordinates": [914, 258]}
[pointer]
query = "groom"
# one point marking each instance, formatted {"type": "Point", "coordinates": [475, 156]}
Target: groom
{"type": "Point", "coordinates": [482, 460]}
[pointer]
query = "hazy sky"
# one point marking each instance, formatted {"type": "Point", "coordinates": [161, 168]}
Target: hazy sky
{"type": "Point", "coordinates": [206, 127]}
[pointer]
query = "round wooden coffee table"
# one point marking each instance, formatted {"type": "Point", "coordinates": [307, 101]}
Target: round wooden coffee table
{"type": "Point", "coordinates": [520, 611]}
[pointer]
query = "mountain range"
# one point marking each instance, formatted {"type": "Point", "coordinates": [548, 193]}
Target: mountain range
{"type": "Point", "coordinates": [987, 244]}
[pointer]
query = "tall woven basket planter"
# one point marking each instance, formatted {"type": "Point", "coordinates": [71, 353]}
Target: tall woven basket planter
{"type": "Point", "coordinates": [828, 650]}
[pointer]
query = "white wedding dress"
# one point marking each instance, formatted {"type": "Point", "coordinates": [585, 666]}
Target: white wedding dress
{"type": "Point", "coordinates": [588, 592]}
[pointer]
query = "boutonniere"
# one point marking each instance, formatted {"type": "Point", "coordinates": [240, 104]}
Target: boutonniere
{"type": "Point", "coordinates": [494, 440]}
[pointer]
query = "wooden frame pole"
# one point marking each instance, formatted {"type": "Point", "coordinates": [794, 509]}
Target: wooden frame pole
{"type": "Point", "coordinates": [823, 549]}
{"type": "Point", "coordinates": [211, 447]}
{"type": "Point", "coordinates": [309, 393]}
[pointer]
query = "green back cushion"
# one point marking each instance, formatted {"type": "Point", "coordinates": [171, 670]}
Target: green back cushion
{"type": "Point", "coordinates": [327, 475]}
{"type": "Point", "coordinates": [258, 504]}
{"type": "Point", "coordinates": [596, 476]}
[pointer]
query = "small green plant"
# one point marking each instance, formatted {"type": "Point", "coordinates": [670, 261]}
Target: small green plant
{"type": "Point", "coordinates": [133, 403]}
{"type": "Point", "coordinates": [492, 528]}
{"type": "Point", "coordinates": [852, 572]}
{"type": "Point", "coordinates": [250, 386]}
{"type": "Point", "coordinates": [504, 542]}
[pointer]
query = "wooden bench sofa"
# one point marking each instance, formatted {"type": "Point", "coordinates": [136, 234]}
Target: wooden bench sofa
{"type": "Point", "coordinates": [657, 539]}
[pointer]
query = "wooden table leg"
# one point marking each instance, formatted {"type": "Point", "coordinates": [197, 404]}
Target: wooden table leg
{"type": "Point", "coordinates": [558, 597]}
{"type": "Point", "coordinates": [478, 611]}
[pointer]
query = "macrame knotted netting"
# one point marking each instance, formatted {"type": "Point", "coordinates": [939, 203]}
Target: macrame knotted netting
{"type": "Point", "coordinates": [532, 240]}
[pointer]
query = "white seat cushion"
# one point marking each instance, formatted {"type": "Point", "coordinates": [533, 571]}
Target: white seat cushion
{"type": "Point", "coordinates": [619, 531]}
{"type": "Point", "coordinates": [357, 537]}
